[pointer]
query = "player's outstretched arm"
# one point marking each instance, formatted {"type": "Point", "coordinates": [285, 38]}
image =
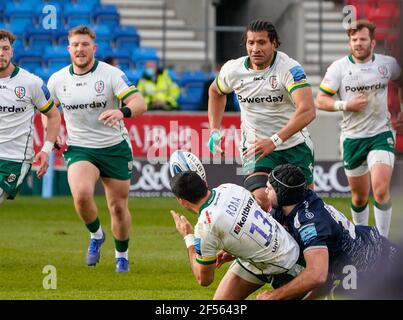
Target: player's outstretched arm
{"type": "Point", "coordinates": [204, 274]}
{"type": "Point", "coordinates": [312, 277]}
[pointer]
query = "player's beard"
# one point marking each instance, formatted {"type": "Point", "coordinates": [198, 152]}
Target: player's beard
{"type": "Point", "coordinates": [364, 54]}
{"type": "Point", "coordinates": [4, 64]}
{"type": "Point", "coordinates": [84, 64]}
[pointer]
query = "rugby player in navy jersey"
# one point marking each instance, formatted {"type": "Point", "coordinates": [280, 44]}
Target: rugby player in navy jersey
{"type": "Point", "coordinates": [333, 247]}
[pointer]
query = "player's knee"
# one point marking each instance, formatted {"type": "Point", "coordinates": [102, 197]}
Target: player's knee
{"type": "Point", "coordinates": [82, 199]}
{"type": "Point", "coordinates": [359, 200]}
{"type": "Point", "coordinates": [118, 210]}
{"type": "Point", "coordinates": [381, 193]}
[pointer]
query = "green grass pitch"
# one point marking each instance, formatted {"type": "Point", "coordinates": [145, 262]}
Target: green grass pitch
{"type": "Point", "coordinates": [35, 232]}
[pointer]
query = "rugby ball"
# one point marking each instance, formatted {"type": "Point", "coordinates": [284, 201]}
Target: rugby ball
{"type": "Point", "coordinates": [182, 160]}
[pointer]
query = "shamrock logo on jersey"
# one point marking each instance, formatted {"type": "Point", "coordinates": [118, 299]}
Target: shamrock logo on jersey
{"type": "Point", "coordinates": [99, 86]}
{"type": "Point", "coordinates": [19, 92]}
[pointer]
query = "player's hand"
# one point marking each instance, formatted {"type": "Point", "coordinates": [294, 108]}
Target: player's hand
{"type": "Point", "coordinates": [223, 257]}
{"type": "Point", "coordinates": [214, 142]}
{"type": "Point", "coordinates": [182, 224]}
{"type": "Point", "coordinates": [266, 295]}
{"type": "Point", "coordinates": [260, 148]}
{"type": "Point", "coordinates": [42, 158]}
{"type": "Point", "coordinates": [357, 103]}
{"type": "Point", "coordinates": [111, 117]}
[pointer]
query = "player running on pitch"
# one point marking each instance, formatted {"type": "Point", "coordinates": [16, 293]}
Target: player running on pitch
{"type": "Point", "coordinates": [89, 92]}
{"type": "Point", "coordinates": [21, 93]}
{"type": "Point", "coordinates": [276, 106]}
{"type": "Point", "coordinates": [367, 138]}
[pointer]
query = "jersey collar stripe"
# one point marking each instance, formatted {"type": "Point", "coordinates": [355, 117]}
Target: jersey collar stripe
{"type": "Point", "coordinates": [71, 70]}
{"type": "Point", "coordinates": [350, 57]}
{"type": "Point", "coordinates": [127, 93]}
{"type": "Point", "coordinates": [298, 85]}
{"type": "Point", "coordinates": [15, 71]}
{"type": "Point", "coordinates": [274, 58]}
{"type": "Point", "coordinates": [208, 201]}
{"type": "Point", "coordinates": [219, 87]}
{"type": "Point", "coordinates": [327, 90]}
{"type": "Point", "coordinates": [47, 106]}
{"type": "Point", "coordinates": [246, 63]}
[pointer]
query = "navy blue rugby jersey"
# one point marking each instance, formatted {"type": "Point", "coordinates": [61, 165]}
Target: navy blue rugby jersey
{"type": "Point", "coordinates": [315, 224]}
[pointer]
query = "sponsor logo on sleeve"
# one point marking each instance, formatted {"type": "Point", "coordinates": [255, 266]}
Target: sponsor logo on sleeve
{"type": "Point", "coordinates": [45, 91]}
{"type": "Point", "coordinates": [126, 80]}
{"type": "Point", "coordinates": [198, 246]}
{"type": "Point", "coordinates": [298, 73]}
{"type": "Point", "coordinates": [308, 233]}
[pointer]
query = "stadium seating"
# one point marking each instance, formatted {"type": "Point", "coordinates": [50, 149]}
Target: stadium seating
{"type": "Point", "coordinates": [134, 75]}
{"type": "Point", "coordinates": [43, 50]}
{"type": "Point", "coordinates": [38, 38]}
{"type": "Point", "coordinates": [126, 37]}
{"type": "Point", "coordinates": [141, 55]}
{"type": "Point", "coordinates": [56, 57]}
{"type": "Point", "coordinates": [1, 11]}
{"type": "Point", "coordinates": [77, 14]}
{"type": "Point", "coordinates": [106, 15]}
{"type": "Point", "coordinates": [122, 55]}
{"type": "Point", "coordinates": [30, 59]}
{"type": "Point", "coordinates": [193, 84]}
{"type": "Point", "coordinates": [19, 13]}
{"type": "Point", "coordinates": [45, 73]}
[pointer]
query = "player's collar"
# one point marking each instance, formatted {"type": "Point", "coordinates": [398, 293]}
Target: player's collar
{"type": "Point", "coordinates": [350, 57]}
{"type": "Point", "coordinates": [91, 70]}
{"type": "Point", "coordinates": [15, 71]}
{"type": "Point", "coordinates": [246, 63]}
{"type": "Point", "coordinates": [208, 201]}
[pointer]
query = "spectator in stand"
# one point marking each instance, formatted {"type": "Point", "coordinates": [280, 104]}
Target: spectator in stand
{"type": "Point", "coordinates": [158, 89]}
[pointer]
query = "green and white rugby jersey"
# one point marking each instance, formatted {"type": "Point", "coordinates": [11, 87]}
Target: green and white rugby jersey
{"type": "Point", "coordinates": [20, 95]}
{"type": "Point", "coordinates": [348, 79]}
{"type": "Point", "coordinates": [84, 97]}
{"type": "Point", "coordinates": [264, 96]}
{"type": "Point", "coordinates": [231, 220]}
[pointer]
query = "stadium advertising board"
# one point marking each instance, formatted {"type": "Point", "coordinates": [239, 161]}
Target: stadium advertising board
{"type": "Point", "coordinates": [156, 135]}
{"type": "Point", "coordinates": [153, 179]}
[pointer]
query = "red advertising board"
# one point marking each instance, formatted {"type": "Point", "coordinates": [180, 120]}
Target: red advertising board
{"type": "Point", "coordinates": [157, 135]}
